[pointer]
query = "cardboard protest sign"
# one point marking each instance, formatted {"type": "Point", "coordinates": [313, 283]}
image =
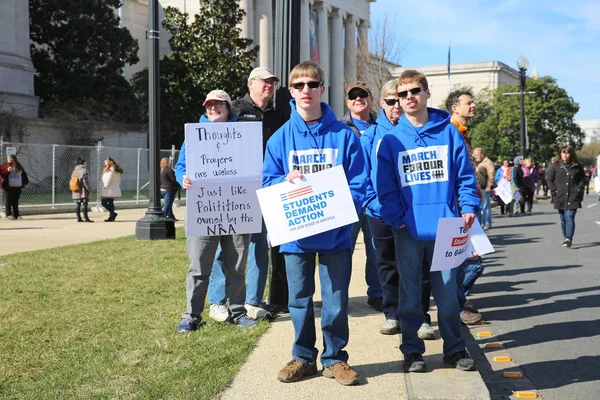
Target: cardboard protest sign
{"type": "Point", "coordinates": [503, 190]}
{"type": "Point", "coordinates": [451, 244]}
{"type": "Point", "coordinates": [319, 203]}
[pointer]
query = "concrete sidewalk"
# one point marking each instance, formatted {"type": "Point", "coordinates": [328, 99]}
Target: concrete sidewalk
{"type": "Point", "coordinates": [375, 357]}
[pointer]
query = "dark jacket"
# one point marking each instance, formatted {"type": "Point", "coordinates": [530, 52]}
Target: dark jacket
{"type": "Point", "coordinates": [4, 176]}
{"type": "Point", "coordinates": [566, 183]}
{"type": "Point", "coordinates": [347, 119]}
{"type": "Point", "coordinates": [167, 180]}
{"type": "Point", "coordinates": [248, 111]}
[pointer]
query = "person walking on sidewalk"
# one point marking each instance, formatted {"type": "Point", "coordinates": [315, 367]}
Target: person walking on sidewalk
{"type": "Point", "coordinates": [168, 187]}
{"type": "Point", "coordinates": [111, 187]}
{"type": "Point", "coordinates": [485, 178]}
{"type": "Point", "coordinates": [14, 180]}
{"type": "Point", "coordinates": [314, 130]}
{"type": "Point", "coordinates": [413, 202]}
{"type": "Point", "coordinates": [82, 196]}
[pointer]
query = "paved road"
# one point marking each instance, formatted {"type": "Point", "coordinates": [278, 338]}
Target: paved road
{"type": "Point", "coordinates": [543, 301]}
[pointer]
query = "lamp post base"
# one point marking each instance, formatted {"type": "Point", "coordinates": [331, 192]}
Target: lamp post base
{"type": "Point", "coordinates": [154, 226]}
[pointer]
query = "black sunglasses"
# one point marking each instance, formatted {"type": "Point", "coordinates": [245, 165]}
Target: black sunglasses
{"type": "Point", "coordinates": [311, 84]}
{"type": "Point", "coordinates": [354, 96]}
{"type": "Point", "coordinates": [403, 94]}
{"type": "Point", "coordinates": [391, 102]}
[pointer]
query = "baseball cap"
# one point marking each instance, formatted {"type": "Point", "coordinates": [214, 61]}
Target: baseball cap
{"type": "Point", "coordinates": [263, 73]}
{"type": "Point", "coordinates": [358, 85]}
{"type": "Point", "coordinates": [518, 160]}
{"type": "Point", "coordinates": [218, 95]}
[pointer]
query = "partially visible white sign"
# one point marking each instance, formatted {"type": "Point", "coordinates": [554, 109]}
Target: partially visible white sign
{"type": "Point", "coordinates": [11, 151]}
{"type": "Point", "coordinates": [503, 190]}
{"type": "Point", "coordinates": [452, 245]}
{"type": "Point", "coordinates": [318, 203]}
{"type": "Point", "coordinates": [479, 240]}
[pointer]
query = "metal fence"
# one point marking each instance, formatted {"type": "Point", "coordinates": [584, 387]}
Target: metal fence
{"type": "Point", "coordinates": [49, 168]}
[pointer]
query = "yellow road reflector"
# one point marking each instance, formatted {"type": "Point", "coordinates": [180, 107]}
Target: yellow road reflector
{"type": "Point", "coordinates": [526, 395]}
{"type": "Point", "coordinates": [513, 374]}
{"type": "Point", "coordinates": [493, 345]}
{"type": "Point", "coordinates": [502, 359]}
{"type": "Point", "coordinates": [485, 334]}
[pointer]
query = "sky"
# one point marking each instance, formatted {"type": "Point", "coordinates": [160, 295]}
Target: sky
{"type": "Point", "coordinates": [560, 38]}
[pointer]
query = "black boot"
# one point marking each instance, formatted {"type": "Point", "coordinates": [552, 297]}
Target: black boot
{"type": "Point", "coordinates": [78, 212]}
{"type": "Point", "coordinates": [85, 213]}
{"type": "Point", "coordinates": [111, 218]}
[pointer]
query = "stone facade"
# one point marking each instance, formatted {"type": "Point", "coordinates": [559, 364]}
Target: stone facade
{"type": "Point", "coordinates": [591, 128]}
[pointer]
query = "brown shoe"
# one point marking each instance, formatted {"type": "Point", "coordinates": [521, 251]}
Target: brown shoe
{"type": "Point", "coordinates": [469, 317]}
{"type": "Point", "coordinates": [342, 372]}
{"type": "Point", "coordinates": [296, 370]}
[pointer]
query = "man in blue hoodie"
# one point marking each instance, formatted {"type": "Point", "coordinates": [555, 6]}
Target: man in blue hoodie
{"type": "Point", "coordinates": [423, 166]}
{"type": "Point", "coordinates": [311, 141]}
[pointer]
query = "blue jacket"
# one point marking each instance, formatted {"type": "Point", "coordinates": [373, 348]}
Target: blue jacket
{"type": "Point", "coordinates": [420, 173]}
{"type": "Point", "coordinates": [324, 144]}
{"type": "Point", "coordinates": [369, 141]}
{"type": "Point", "coordinates": [180, 167]}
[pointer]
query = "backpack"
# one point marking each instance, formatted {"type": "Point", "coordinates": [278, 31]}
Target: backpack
{"type": "Point", "coordinates": [74, 184]}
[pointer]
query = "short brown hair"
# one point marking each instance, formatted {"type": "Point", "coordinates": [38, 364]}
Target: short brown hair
{"type": "Point", "coordinates": [412, 76]}
{"type": "Point", "coordinates": [569, 149]}
{"type": "Point", "coordinates": [307, 69]}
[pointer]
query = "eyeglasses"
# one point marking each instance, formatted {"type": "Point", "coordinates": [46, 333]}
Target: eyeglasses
{"type": "Point", "coordinates": [414, 91]}
{"type": "Point", "coordinates": [270, 81]}
{"type": "Point", "coordinates": [311, 84]}
{"type": "Point", "coordinates": [354, 96]}
{"type": "Point", "coordinates": [391, 102]}
{"type": "Point", "coordinates": [216, 104]}
{"type": "Point", "coordinates": [565, 152]}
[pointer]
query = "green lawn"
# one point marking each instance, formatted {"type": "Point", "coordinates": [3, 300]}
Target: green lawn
{"type": "Point", "coordinates": [98, 321]}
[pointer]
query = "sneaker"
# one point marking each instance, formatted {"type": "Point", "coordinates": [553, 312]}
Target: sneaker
{"type": "Point", "coordinates": [426, 332]}
{"type": "Point", "coordinates": [256, 312]}
{"type": "Point", "coordinates": [296, 370]}
{"type": "Point", "coordinates": [376, 303]}
{"type": "Point", "coordinates": [414, 362]}
{"type": "Point", "coordinates": [342, 372]}
{"type": "Point", "coordinates": [246, 322]}
{"type": "Point", "coordinates": [487, 227]}
{"type": "Point", "coordinates": [461, 360]}
{"type": "Point", "coordinates": [390, 327]}
{"type": "Point", "coordinates": [11, 217]}
{"type": "Point", "coordinates": [187, 325]}
{"type": "Point", "coordinates": [566, 243]}
{"type": "Point", "coordinates": [219, 312]}
{"type": "Point", "coordinates": [468, 317]}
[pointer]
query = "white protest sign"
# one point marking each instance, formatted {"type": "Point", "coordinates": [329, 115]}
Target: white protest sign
{"type": "Point", "coordinates": [503, 190]}
{"type": "Point", "coordinates": [222, 208]}
{"type": "Point", "coordinates": [11, 151]}
{"type": "Point", "coordinates": [451, 244]}
{"type": "Point", "coordinates": [319, 203]}
{"type": "Point", "coordinates": [479, 240]}
{"type": "Point", "coordinates": [223, 150]}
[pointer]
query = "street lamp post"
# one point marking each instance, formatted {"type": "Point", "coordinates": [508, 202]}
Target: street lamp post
{"type": "Point", "coordinates": [523, 64]}
{"type": "Point", "coordinates": [154, 225]}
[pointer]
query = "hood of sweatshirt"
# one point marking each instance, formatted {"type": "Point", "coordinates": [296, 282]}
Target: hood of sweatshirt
{"type": "Point", "coordinates": [438, 119]}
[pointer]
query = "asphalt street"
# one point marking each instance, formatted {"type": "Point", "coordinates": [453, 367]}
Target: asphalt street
{"type": "Point", "coordinates": [542, 301]}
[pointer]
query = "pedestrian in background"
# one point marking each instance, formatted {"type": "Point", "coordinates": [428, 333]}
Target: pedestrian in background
{"type": "Point", "coordinates": [485, 178]}
{"type": "Point", "coordinates": [14, 179]}
{"type": "Point", "coordinates": [528, 189]}
{"type": "Point", "coordinates": [82, 195]}
{"type": "Point", "coordinates": [566, 181]}
{"type": "Point", "coordinates": [111, 187]}
{"type": "Point", "coordinates": [168, 187]}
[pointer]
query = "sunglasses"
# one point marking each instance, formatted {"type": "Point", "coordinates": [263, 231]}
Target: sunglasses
{"type": "Point", "coordinates": [311, 84]}
{"type": "Point", "coordinates": [391, 102]}
{"type": "Point", "coordinates": [414, 91]}
{"type": "Point", "coordinates": [215, 104]}
{"type": "Point", "coordinates": [565, 152]}
{"type": "Point", "coordinates": [354, 96]}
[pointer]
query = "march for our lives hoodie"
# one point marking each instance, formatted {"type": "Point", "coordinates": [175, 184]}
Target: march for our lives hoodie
{"type": "Point", "coordinates": [369, 141]}
{"type": "Point", "coordinates": [420, 173]}
{"type": "Point", "coordinates": [311, 148]}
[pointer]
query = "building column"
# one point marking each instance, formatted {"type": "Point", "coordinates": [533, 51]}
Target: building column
{"type": "Point", "coordinates": [305, 30]}
{"type": "Point", "coordinates": [363, 48]}
{"type": "Point", "coordinates": [264, 10]}
{"type": "Point", "coordinates": [350, 49]}
{"type": "Point", "coordinates": [323, 11]}
{"type": "Point", "coordinates": [247, 24]}
{"type": "Point", "coordinates": [336, 96]}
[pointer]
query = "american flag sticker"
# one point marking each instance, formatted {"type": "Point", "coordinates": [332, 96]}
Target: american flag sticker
{"type": "Point", "coordinates": [296, 193]}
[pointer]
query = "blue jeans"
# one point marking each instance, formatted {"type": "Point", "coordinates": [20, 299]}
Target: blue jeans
{"type": "Point", "coordinates": [485, 215]}
{"type": "Point", "coordinates": [467, 274]}
{"type": "Point", "coordinates": [371, 274]}
{"type": "Point", "coordinates": [385, 256]}
{"type": "Point", "coordinates": [334, 275]}
{"type": "Point", "coordinates": [256, 272]}
{"type": "Point", "coordinates": [410, 255]}
{"type": "Point", "coordinates": [168, 206]}
{"type": "Point", "coordinates": [109, 204]}
{"type": "Point", "coordinates": [567, 223]}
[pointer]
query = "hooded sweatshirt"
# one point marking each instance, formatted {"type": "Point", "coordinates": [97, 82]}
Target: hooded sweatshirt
{"type": "Point", "coordinates": [312, 148]}
{"type": "Point", "coordinates": [369, 141]}
{"type": "Point", "coordinates": [421, 171]}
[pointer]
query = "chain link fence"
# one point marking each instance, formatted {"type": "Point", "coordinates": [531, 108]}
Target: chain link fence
{"type": "Point", "coordinates": [49, 168]}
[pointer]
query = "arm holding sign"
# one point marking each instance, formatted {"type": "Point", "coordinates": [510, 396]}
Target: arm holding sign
{"type": "Point", "coordinates": [387, 185]}
{"type": "Point", "coordinates": [273, 168]}
{"type": "Point", "coordinates": [180, 170]}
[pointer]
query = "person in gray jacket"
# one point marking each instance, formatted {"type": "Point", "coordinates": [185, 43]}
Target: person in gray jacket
{"type": "Point", "coordinates": [82, 196]}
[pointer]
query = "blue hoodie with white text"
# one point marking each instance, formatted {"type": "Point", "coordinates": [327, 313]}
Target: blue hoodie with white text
{"type": "Point", "coordinates": [421, 172]}
{"type": "Point", "coordinates": [312, 148]}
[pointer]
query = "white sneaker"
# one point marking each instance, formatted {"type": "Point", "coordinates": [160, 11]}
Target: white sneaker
{"type": "Point", "coordinates": [390, 327]}
{"type": "Point", "coordinates": [219, 312]}
{"type": "Point", "coordinates": [256, 313]}
{"type": "Point", "coordinates": [426, 332]}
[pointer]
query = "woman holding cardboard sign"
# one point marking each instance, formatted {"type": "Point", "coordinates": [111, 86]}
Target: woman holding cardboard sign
{"type": "Point", "coordinates": [202, 249]}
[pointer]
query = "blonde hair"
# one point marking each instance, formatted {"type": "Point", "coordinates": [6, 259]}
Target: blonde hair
{"type": "Point", "coordinates": [412, 76]}
{"type": "Point", "coordinates": [308, 69]}
{"type": "Point", "coordinates": [388, 88]}
{"type": "Point", "coordinates": [164, 162]}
